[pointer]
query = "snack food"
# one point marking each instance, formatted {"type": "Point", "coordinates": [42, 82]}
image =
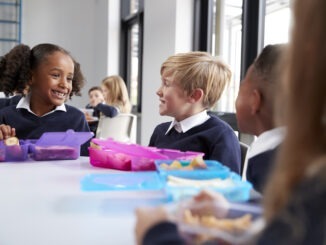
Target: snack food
{"type": "Point", "coordinates": [55, 152]}
{"type": "Point", "coordinates": [196, 163]}
{"type": "Point", "coordinates": [11, 141]}
{"type": "Point", "coordinates": [216, 182]}
{"type": "Point", "coordinates": [214, 229]}
{"type": "Point", "coordinates": [227, 224]}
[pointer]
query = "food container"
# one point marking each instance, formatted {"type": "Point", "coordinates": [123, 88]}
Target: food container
{"type": "Point", "coordinates": [232, 188]}
{"type": "Point", "coordinates": [59, 145]}
{"type": "Point", "coordinates": [179, 155]}
{"type": "Point", "coordinates": [216, 222]}
{"type": "Point", "coordinates": [123, 156]}
{"type": "Point", "coordinates": [213, 169]}
{"type": "Point", "coordinates": [122, 182]}
{"type": "Point", "coordinates": [109, 159]}
{"type": "Point", "coordinates": [13, 153]}
{"type": "Point", "coordinates": [182, 183]}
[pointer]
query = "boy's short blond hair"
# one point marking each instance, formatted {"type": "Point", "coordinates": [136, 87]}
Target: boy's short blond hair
{"type": "Point", "coordinates": [194, 70]}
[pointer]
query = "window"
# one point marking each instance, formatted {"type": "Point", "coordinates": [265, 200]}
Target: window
{"type": "Point", "coordinates": [10, 24]}
{"type": "Point", "coordinates": [240, 29]}
{"type": "Point", "coordinates": [277, 21]}
{"type": "Point", "coordinates": [226, 42]}
{"type": "Point", "coordinates": [131, 53]}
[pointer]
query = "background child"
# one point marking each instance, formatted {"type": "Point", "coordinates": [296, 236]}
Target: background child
{"type": "Point", "coordinates": [255, 114]}
{"type": "Point", "coordinates": [52, 76]}
{"type": "Point", "coordinates": [96, 96]}
{"type": "Point", "coordinates": [116, 93]}
{"type": "Point", "coordinates": [97, 103]}
{"type": "Point", "coordinates": [192, 83]}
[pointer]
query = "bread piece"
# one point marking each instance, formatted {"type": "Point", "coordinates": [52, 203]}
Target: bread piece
{"type": "Point", "coordinates": [11, 141]}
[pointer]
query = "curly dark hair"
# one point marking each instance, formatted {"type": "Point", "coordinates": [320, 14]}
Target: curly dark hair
{"type": "Point", "coordinates": [17, 64]}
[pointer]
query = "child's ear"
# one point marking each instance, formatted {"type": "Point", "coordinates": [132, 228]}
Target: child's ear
{"type": "Point", "coordinates": [197, 95]}
{"type": "Point", "coordinates": [256, 101]}
{"type": "Point", "coordinates": [30, 81]}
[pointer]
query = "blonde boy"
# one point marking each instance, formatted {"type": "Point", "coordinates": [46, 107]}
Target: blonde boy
{"type": "Point", "coordinates": [191, 84]}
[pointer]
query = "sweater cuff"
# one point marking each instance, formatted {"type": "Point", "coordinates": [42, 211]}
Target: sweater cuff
{"type": "Point", "coordinates": [163, 233]}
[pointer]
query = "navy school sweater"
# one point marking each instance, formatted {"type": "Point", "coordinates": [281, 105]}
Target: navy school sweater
{"type": "Point", "coordinates": [30, 126]}
{"type": "Point", "coordinates": [259, 168]}
{"type": "Point", "coordinates": [214, 137]}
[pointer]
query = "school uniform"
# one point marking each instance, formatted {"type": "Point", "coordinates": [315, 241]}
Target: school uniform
{"type": "Point", "coordinates": [4, 102]}
{"type": "Point", "coordinates": [30, 126]}
{"type": "Point", "coordinates": [202, 133]}
{"type": "Point", "coordinates": [301, 221]}
{"type": "Point", "coordinates": [261, 157]}
{"type": "Point", "coordinates": [106, 110]}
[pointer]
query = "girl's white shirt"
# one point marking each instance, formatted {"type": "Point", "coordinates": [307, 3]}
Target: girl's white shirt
{"type": "Point", "coordinates": [24, 103]}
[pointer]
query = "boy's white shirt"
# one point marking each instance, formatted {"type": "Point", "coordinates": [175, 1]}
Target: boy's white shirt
{"type": "Point", "coordinates": [268, 140]}
{"type": "Point", "coordinates": [24, 103]}
{"type": "Point", "coordinates": [190, 122]}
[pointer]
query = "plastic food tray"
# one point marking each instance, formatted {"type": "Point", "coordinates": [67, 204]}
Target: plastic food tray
{"type": "Point", "coordinates": [214, 170]}
{"type": "Point", "coordinates": [59, 145]}
{"type": "Point", "coordinates": [109, 159]}
{"type": "Point", "coordinates": [218, 234]}
{"type": "Point", "coordinates": [122, 182]}
{"type": "Point", "coordinates": [131, 157]}
{"type": "Point", "coordinates": [13, 153]}
{"type": "Point", "coordinates": [237, 191]}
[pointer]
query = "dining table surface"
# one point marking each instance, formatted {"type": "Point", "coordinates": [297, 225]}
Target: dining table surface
{"type": "Point", "coordinates": [42, 202]}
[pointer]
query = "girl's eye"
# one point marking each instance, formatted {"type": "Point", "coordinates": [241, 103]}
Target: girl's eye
{"type": "Point", "coordinates": [55, 75]}
{"type": "Point", "coordinates": [69, 79]}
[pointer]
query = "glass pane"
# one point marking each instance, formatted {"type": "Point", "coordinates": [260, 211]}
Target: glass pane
{"type": "Point", "coordinates": [134, 64]}
{"type": "Point", "coordinates": [277, 21]}
{"type": "Point", "coordinates": [134, 5]}
{"type": "Point", "coordinates": [227, 34]}
{"type": "Point", "coordinates": [9, 12]}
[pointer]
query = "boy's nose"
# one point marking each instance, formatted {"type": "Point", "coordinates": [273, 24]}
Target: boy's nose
{"type": "Point", "coordinates": [159, 92]}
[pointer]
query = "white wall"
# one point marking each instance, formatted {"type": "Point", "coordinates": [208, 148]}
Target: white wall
{"type": "Point", "coordinates": [81, 27]}
{"type": "Point", "coordinates": [167, 30]}
{"type": "Point", "coordinates": [90, 30]}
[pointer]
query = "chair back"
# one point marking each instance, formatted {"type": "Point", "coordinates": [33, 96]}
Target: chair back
{"type": "Point", "coordinates": [120, 128]}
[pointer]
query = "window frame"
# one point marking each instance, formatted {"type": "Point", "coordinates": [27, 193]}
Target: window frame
{"type": "Point", "coordinates": [127, 22]}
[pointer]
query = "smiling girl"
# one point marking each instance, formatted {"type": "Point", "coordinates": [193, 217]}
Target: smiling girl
{"type": "Point", "coordinates": [52, 76]}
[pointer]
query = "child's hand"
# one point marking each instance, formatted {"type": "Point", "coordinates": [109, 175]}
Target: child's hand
{"type": "Point", "coordinates": [209, 203]}
{"type": "Point", "coordinates": [6, 131]}
{"type": "Point", "coordinates": [88, 116]}
{"type": "Point", "coordinates": [146, 218]}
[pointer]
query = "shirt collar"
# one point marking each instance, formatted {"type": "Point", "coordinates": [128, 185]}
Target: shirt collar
{"type": "Point", "coordinates": [24, 103]}
{"type": "Point", "coordinates": [267, 141]}
{"type": "Point", "coordinates": [190, 122]}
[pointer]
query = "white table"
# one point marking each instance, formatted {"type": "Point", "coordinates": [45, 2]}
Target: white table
{"type": "Point", "coordinates": [42, 203]}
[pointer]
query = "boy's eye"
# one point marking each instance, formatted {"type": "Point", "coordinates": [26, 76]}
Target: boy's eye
{"type": "Point", "coordinates": [165, 83]}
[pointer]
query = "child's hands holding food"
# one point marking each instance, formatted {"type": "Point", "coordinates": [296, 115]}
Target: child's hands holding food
{"type": "Point", "coordinates": [6, 132]}
{"type": "Point", "coordinates": [146, 218]}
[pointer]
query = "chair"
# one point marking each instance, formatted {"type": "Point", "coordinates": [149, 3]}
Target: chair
{"type": "Point", "coordinates": [120, 128]}
{"type": "Point", "coordinates": [243, 149]}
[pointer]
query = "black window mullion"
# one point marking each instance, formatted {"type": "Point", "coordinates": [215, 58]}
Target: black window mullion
{"type": "Point", "coordinates": [127, 22]}
{"type": "Point", "coordinates": [253, 19]}
{"type": "Point", "coordinates": [203, 25]}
